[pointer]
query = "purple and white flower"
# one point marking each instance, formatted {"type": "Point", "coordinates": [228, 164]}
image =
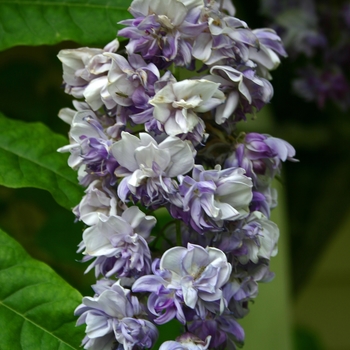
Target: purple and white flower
{"type": "Point", "coordinates": [119, 244]}
{"type": "Point", "coordinates": [192, 276]}
{"type": "Point", "coordinates": [255, 238]}
{"type": "Point", "coordinates": [115, 316]}
{"type": "Point", "coordinates": [85, 72]}
{"type": "Point", "coordinates": [89, 148]}
{"type": "Point", "coordinates": [148, 167]}
{"type": "Point", "coordinates": [176, 105]}
{"type": "Point", "coordinates": [130, 81]}
{"type": "Point", "coordinates": [99, 200]}
{"type": "Point", "coordinates": [163, 30]}
{"type": "Point", "coordinates": [224, 330]}
{"type": "Point", "coordinates": [267, 55]}
{"type": "Point", "coordinates": [82, 65]}
{"type": "Point", "coordinates": [134, 140]}
{"type": "Point", "coordinates": [261, 156]}
{"type": "Point", "coordinates": [227, 37]}
{"type": "Point", "coordinates": [186, 341]}
{"type": "Point", "coordinates": [212, 196]}
{"type": "Point", "coordinates": [243, 88]}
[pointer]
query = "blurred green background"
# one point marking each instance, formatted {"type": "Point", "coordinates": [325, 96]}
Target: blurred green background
{"type": "Point", "coordinates": [307, 305]}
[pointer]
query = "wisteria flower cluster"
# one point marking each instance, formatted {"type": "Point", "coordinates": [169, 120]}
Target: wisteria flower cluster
{"type": "Point", "coordinates": [145, 141]}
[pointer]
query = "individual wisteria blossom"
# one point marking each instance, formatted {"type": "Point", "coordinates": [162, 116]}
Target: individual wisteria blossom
{"type": "Point", "coordinates": [261, 156]}
{"type": "Point", "coordinates": [130, 82]}
{"type": "Point", "coordinates": [176, 105]}
{"type": "Point", "coordinates": [84, 66]}
{"type": "Point", "coordinates": [193, 276]}
{"type": "Point", "coordinates": [163, 30]}
{"type": "Point", "coordinates": [186, 341]}
{"type": "Point", "coordinates": [225, 331]}
{"type": "Point", "coordinates": [148, 167]}
{"type": "Point", "coordinates": [114, 316]}
{"type": "Point", "coordinates": [148, 144]}
{"type": "Point", "coordinates": [244, 90]}
{"type": "Point", "coordinates": [267, 55]}
{"type": "Point", "coordinates": [119, 244]}
{"type": "Point", "coordinates": [90, 147]}
{"type": "Point", "coordinates": [210, 197]}
{"type": "Point", "coordinates": [227, 37]}
{"type": "Point", "coordinates": [99, 199]}
{"type": "Point", "coordinates": [255, 238]}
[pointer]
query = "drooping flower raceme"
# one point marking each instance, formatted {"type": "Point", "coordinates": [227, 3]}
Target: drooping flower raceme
{"type": "Point", "coordinates": [149, 145]}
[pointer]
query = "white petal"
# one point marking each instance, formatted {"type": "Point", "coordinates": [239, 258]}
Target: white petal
{"type": "Point", "coordinates": [133, 216]}
{"type": "Point", "coordinates": [181, 156]}
{"type": "Point", "coordinates": [124, 151]}
{"type": "Point", "coordinates": [146, 155]}
{"type": "Point", "coordinates": [92, 92]}
{"type": "Point", "coordinates": [190, 296]}
{"type": "Point", "coordinates": [171, 260]}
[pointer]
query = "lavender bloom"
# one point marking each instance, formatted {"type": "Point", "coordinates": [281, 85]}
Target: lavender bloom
{"type": "Point", "coordinates": [193, 276]}
{"type": "Point", "coordinates": [244, 90]}
{"type": "Point", "coordinates": [261, 156]}
{"type": "Point", "coordinates": [266, 55]}
{"type": "Point", "coordinates": [258, 238]}
{"type": "Point", "coordinates": [224, 330]}
{"type": "Point", "coordinates": [265, 198]}
{"type": "Point", "coordinates": [162, 29]}
{"type": "Point", "coordinates": [112, 317]}
{"type": "Point", "coordinates": [130, 82]}
{"type": "Point", "coordinates": [186, 341]}
{"type": "Point", "coordinates": [120, 244]}
{"type": "Point", "coordinates": [148, 166]}
{"type": "Point", "coordinates": [225, 5]}
{"type": "Point", "coordinates": [99, 200]}
{"type": "Point", "coordinates": [82, 66]}
{"type": "Point", "coordinates": [228, 37]}
{"type": "Point", "coordinates": [212, 196]}
{"type": "Point", "coordinates": [176, 104]}
{"type": "Point", "coordinates": [243, 284]}
{"type": "Point", "coordinates": [90, 148]}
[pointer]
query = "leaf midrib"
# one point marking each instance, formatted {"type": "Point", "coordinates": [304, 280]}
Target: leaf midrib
{"type": "Point", "coordinates": [37, 325]}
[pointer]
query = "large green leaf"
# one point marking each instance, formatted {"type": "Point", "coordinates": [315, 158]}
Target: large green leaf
{"type": "Point", "coordinates": [38, 22]}
{"type": "Point", "coordinates": [29, 158]}
{"type": "Point", "coordinates": [36, 305]}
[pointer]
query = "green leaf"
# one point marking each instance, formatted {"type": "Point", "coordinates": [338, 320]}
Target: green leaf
{"type": "Point", "coordinates": [37, 22]}
{"type": "Point", "coordinates": [36, 305]}
{"type": "Point", "coordinates": [29, 158]}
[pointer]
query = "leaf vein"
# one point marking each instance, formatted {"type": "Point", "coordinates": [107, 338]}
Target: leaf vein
{"type": "Point", "coordinates": [73, 19]}
{"type": "Point", "coordinates": [19, 11]}
{"type": "Point", "coordinates": [42, 165]}
{"type": "Point", "coordinates": [36, 325]}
